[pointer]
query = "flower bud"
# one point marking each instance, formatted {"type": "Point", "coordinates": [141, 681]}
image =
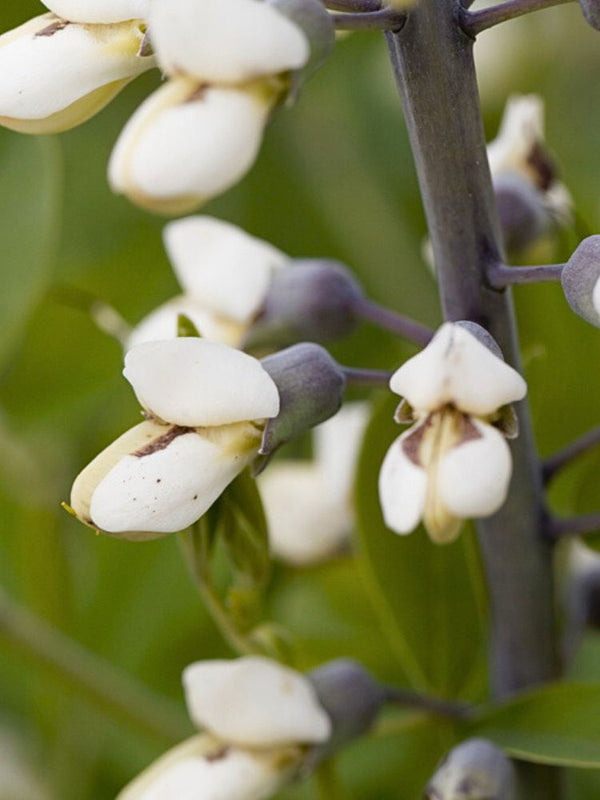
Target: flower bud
{"type": "Point", "coordinates": [187, 143]}
{"type": "Point", "coordinates": [581, 280]}
{"type": "Point", "coordinates": [98, 11]}
{"type": "Point", "coordinates": [352, 699]}
{"type": "Point", "coordinates": [55, 75]}
{"type": "Point", "coordinates": [206, 768]}
{"type": "Point", "coordinates": [475, 770]}
{"type": "Point", "coordinates": [522, 212]}
{"type": "Point", "coordinates": [225, 41]}
{"type": "Point", "coordinates": [311, 385]}
{"type": "Point", "coordinates": [255, 702]}
{"type": "Point", "coordinates": [313, 300]}
{"type": "Point", "coordinates": [591, 12]}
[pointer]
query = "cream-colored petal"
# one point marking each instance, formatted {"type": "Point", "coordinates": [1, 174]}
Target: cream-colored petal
{"type": "Point", "coordinates": [195, 382]}
{"type": "Point", "coordinates": [337, 444]}
{"type": "Point", "coordinates": [187, 143]}
{"type": "Point", "coordinates": [402, 487]}
{"type": "Point", "coordinates": [221, 265]}
{"type": "Point", "coordinates": [456, 368]}
{"type": "Point", "coordinates": [254, 702]}
{"type": "Point", "coordinates": [102, 11]}
{"type": "Point", "coordinates": [161, 324]}
{"type": "Point", "coordinates": [473, 477]}
{"type": "Point", "coordinates": [204, 768]}
{"type": "Point", "coordinates": [167, 482]}
{"type": "Point", "coordinates": [596, 297]}
{"type": "Point", "coordinates": [307, 523]}
{"type": "Point", "coordinates": [54, 76]}
{"type": "Point", "coordinates": [225, 41]}
{"type": "Point", "coordinates": [522, 128]}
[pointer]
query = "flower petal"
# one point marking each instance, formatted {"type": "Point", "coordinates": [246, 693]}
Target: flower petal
{"type": "Point", "coordinates": [225, 268]}
{"type": "Point", "coordinates": [186, 144]}
{"type": "Point", "coordinates": [473, 477]}
{"type": "Point", "coordinates": [402, 487]}
{"type": "Point", "coordinates": [456, 368]}
{"type": "Point", "coordinates": [195, 383]}
{"type": "Point", "coordinates": [307, 523]}
{"type": "Point", "coordinates": [225, 41]}
{"type": "Point", "coordinates": [522, 128]}
{"type": "Point", "coordinates": [255, 702]}
{"type": "Point", "coordinates": [103, 11]}
{"type": "Point", "coordinates": [158, 479]}
{"type": "Point", "coordinates": [204, 768]}
{"type": "Point", "coordinates": [161, 324]}
{"type": "Point", "coordinates": [54, 76]}
{"type": "Point", "coordinates": [337, 445]}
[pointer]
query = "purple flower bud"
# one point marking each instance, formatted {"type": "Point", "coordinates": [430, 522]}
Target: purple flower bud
{"type": "Point", "coordinates": [581, 280]}
{"type": "Point", "coordinates": [475, 770]}
{"type": "Point", "coordinates": [522, 212]}
{"type": "Point", "coordinates": [591, 12]}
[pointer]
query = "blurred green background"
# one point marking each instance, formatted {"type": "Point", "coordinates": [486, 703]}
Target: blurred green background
{"type": "Point", "coordinates": [335, 178]}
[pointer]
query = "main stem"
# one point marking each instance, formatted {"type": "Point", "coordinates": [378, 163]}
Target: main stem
{"type": "Point", "coordinates": [433, 64]}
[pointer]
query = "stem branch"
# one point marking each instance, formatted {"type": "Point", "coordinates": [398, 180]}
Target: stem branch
{"type": "Point", "coordinates": [431, 705]}
{"type": "Point", "coordinates": [385, 19]}
{"type": "Point", "coordinates": [501, 276]}
{"type": "Point", "coordinates": [368, 377]}
{"type": "Point", "coordinates": [558, 527]}
{"type": "Point", "coordinates": [563, 458]}
{"type": "Point", "coordinates": [392, 321]}
{"type": "Point", "coordinates": [473, 22]}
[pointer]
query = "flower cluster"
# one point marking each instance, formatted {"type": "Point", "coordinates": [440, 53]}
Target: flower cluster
{"type": "Point", "coordinates": [227, 63]}
{"type": "Point", "coordinates": [201, 431]}
{"type": "Point", "coordinates": [257, 715]}
{"type": "Point", "coordinates": [453, 463]}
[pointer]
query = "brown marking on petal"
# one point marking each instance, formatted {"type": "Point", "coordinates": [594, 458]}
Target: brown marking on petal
{"type": "Point", "coordinates": [54, 27]}
{"type": "Point", "coordinates": [162, 442]}
{"type": "Point", "coordinates": [467, 430]}
{"type": "Point", "coordinates": [217, 755]}
{"type": "Point", "coordinates": [197, 94]}
{"type": "Point", "coordinates": [543, 166]}
{"type": "Point", "coordinates": [412, 444]}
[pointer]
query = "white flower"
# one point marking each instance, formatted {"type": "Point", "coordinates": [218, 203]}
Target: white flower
{"type": "Point", "coordinates": [452, 464]}
{"type": "Point", "coordinates": [55, 74]}
{"type": "Point", "coordinates": [225, 274]}
{"type": "Point", "coordinates": [519, 149]}
{"type": "Point", "coordinates": [187, 143]}
{"type": "Point", "coordinates": [200, 133]}
{"type": "Point", "coordinates": [258, 714]}
{"type": "Point", "coordinates": [225, 41]}
{"type": "Point", "coordinates": [255, 702]}
{"type": "Point", "coordinates": [309, 505]}
{"type": "Point", "coordinates": [162, 475]}
{"type": "Point", "coordinates": [204, 768]}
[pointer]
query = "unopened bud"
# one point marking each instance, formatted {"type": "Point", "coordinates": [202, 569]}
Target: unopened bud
{"type": "Point", "coordinates": [311, 386]}
{"type": "Point", "coordinates": [581, 280]}
{"type": "Point", "coordinates": [591, 12]}
{"type": "Point", "coordinates": [55, 74]}
{"type": "Point", "coordinates": [352, 698]}
{"type": "Point", "coordinates": [522, 212]}
{"type": "Point", "coordinates": [187, 143]}
{"type": "Point", "coordinates": [475, 770]}
{"type": "Point", "coordinates": [313, 299]}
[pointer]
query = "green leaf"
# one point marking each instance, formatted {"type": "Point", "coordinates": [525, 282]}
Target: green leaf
{"type": "Point", "coordinates": [430, 598]}
{"type": "Point", "coordinates": [558, 724]}
{"type": "Point", "coordinates": [30, 208]}
{"type": "Point", "coordinates": [186, 328]}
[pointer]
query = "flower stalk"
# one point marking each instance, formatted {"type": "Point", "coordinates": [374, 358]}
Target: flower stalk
{"type": "Point", "coordinates": [434, 69]}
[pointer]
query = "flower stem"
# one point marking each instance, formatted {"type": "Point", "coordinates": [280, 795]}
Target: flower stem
{"type": "Point", "coordinates": [558, 528]}
{"type": "Point", "coordinates": [473, 22]}
{"type": "Point", "coordinates": [385, 19]}
{"type": "Point", "coordinates": [573, 450]}
{"type": "Point", "coordinates": [431, 705]}
{"type": "Point", "coordinates": [367, 377]}
{"type": "Point", "coordinates": [112, 691]}
{"type": "Point", "coordinates": [195, 554]}
{"type": "Point", "coordinates": [501, 276]}
{"type": "Point", "coordinates": [392, 321]}
{"type": "Point", "coordinates": [328, 782]}
{"type": "Point", "coordinates": [433, 64]}
{"type": "Point", "coordinates": [353, 5]}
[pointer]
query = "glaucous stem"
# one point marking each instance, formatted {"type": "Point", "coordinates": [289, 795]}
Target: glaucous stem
{"type": "Point", "coordinates": [501, 276]}
{"type": "Point", "coordinates": [385, 19]}
{"type": "Point", "coordinates": [367, 377]}
{"type": "Point", "coordinates": [473, 22]}
{"type": "Point", "coordinates": [559, 527]}
{"type": "Point", "coordinates": [408, 328]}
{"type": "Point", "coordinates": [573, 450]}
{"type": "Point", "coordinates": [433, 63]}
